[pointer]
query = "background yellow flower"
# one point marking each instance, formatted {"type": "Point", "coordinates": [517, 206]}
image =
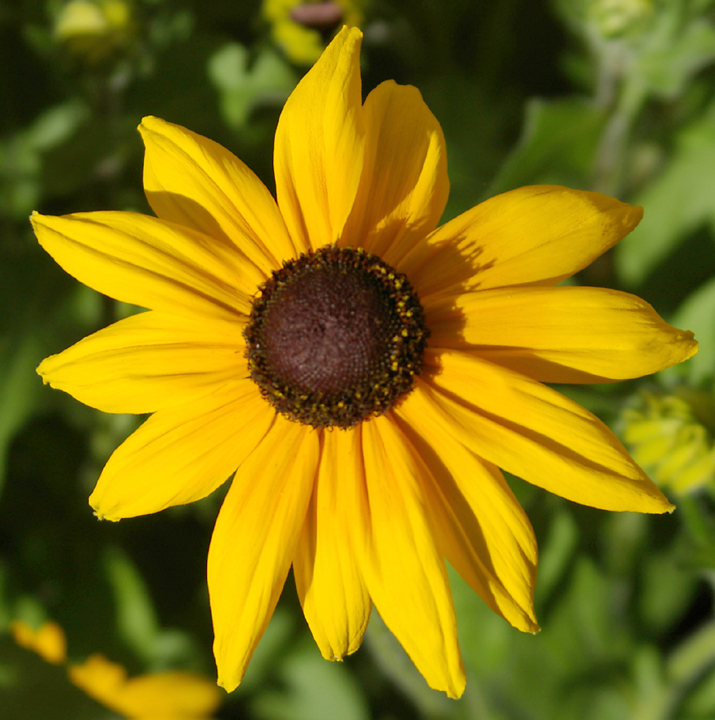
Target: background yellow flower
{"type": "Point", "coordinates": [155, 696]}
{"type": "Point", "coordinates": [302, 28]}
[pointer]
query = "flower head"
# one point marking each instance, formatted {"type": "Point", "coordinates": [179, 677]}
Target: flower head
{"type": "Point", "coordinates": [270, 319]}
{"type": "Point", "coordinates": [155, 696]}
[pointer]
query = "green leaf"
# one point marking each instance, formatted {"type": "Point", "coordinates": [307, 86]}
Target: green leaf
{"type": "Point", "coordinates": [676, 203]}
{"type": "Point", "coordinates": [57, 124]}
{"type": "Point", "coordinates": [556, 554]}
{"type": "Point", "coordinates": [395, 664]}
{"type": "Point", "coordinates": [557, 145]}
{"type": "Point", "coordinates": [666, 590]}
{"type": "Point", "coordinates": [136, 618]}
{"type": "Point", "coordinates": [697, 313]}
{"type": "Point", "coordinates": [693, 656]}
{"type": "Point", "coordinates": [315, 689]}
{"type": "Point", "coordinates": [242, 88]}
{"type": "Point", "coordinates": [700, 703]}
{"type": "Point", "coordinates": [271, 649]}
{"type": "Point", "coordinates": [21, 155]}
{"type": "Point", "coordinates": [674, 54]}
{"type": "Point", "coordinates": [19, 386]}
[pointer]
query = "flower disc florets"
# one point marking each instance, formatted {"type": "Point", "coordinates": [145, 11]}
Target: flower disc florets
{"type": "Point", "coordinates": [335, 337]}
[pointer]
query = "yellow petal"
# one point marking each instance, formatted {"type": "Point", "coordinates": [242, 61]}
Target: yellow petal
{"type": "Point", "coordinates": [319, 143]}
{"type": "Point", "coordinates": [193, 181]}
{"type": "Point", "coordinates": [405, 574]}
{"type": "Point", "coordinates": [183, 453]}
{"type": "Point", "coordinates": [561, 334]}
{"type": "Point", "coordinates": [151, 263]}
{"type": "Point", "coordinates": [537, 434]}
{"type": "Point", "coordinates": [147, 362]}
{"type": "Point", "coordinates": [48, 641]}
{"type": "Point", "coordinates": [157, 696]}
{"type": "Point", "coordinates": [537, 234]}
{"type": "Point", "coordinates": [479, 525]}
{"type": "Point", "coordinates": [254, 542]}
{"type": "Point", "coordinates": [404, 185]}
{"type": "Point", "coordinates": [329, 583]}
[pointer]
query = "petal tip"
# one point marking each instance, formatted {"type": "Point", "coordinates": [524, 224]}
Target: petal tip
{"type": "Point", "coordinates": [36, 220]}
{"type": "Point", "coordinates": [353, 30]}
{"type": "Point", "coordinates": [42, 373]}
{"type": "Point", "coordinates": [229, 680]}
{"type": "Point", "coordinates": [148, 120]}
{"type": "Point", "coordinates": [228, 685]}
{"type": "Point", "coordinates": [457, 686]}
{"type": "Point", "coordinates": [98, 513]}
{"type": "Point", "coordinates": [691, 345]}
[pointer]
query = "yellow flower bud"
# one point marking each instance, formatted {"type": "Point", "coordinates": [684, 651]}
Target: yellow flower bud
{"type": "Point", "coordinates": [667, 437]}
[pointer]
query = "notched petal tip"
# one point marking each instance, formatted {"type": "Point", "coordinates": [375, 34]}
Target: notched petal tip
{"type": "Point", "coordinates": [456, 690]}
{"type": "Point", "coordinates": [42, 224]}
{"type": "Point", "coordinates": [229, 685]}
{"type": "Point", "coordinates": [38, 222]}
{"type": "Point", "coordinates": [100, 515]}
{"type": "Point", "coordinates": [632, 215]}
{"type": "Point", "coordinates": [152, 125]}
{"type": "Point", "coordinates": [41, 370]}
{"type": "Point", "coordinates": [690, 345]}
{"type": "Point", "coordinates": [97, 510]}
{"type": "Point", "coordinates": [148, 121]}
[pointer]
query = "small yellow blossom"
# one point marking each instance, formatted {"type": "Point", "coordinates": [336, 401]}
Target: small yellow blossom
{"type": "Point", "coordinates": [48, 641]}
{"type": "Point", "coordinates": [156, 696]}
{"type": "Point", "coordinates": [93, 29]}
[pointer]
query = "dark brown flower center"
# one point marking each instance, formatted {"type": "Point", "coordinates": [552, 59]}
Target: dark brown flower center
{"type": "Point", "coordinates": [335, 337]}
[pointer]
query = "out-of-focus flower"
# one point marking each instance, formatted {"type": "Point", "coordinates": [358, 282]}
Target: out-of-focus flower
{"type": "Point", "coordinates": [155, 696]}
{"type": "Point", "coordinates": [302, 28]}
{"type": "Point", "coordinates": [94, 29]}
{"type": "Point", "coordinates": [667, 438]}
{"type": "Point", "coordinates": [48, 640]}
{"type": "Point", "coordinates": [363, 372]}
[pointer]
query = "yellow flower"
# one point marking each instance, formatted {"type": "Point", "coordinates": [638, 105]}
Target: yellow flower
{"type": "Point", "coordinates": [48, 641]}
{"type": "Point", "coordinates": [274, 324]}
{"type": "Point", "coordinates": [94, 29]}
{"type": "Point", "coordinates": [302, 27]}
{"type": "Point", "coordinates": [157, 696]}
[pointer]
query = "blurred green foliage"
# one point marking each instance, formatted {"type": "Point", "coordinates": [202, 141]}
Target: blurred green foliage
{"type": "Point", "coordinates": [611, 95]}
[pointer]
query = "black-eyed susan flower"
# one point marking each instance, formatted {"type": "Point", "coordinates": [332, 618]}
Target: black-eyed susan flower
{"type": "Point", "coordinates": [156, 696]}
{"type": "Point", "coordinates": [363, 374]}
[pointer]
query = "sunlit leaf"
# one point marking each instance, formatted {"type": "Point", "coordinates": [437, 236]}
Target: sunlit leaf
{"type": "Point", "coordinates": [677, 202]}
{"type": "Point", "coordinates": [557, 145]}
{"type": "Point", "coordinates": [269, 79]}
